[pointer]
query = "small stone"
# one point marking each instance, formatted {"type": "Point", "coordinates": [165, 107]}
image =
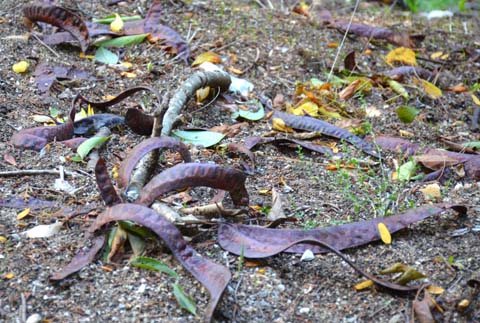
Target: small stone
{"type": "Point", "coordinates": [304, 310]}
{"type": "Point", "coordinates": [281, 287]}
{"type": "Point", "coordinates": [34, 318]}
{"type": "Point", "coordinates": [307, 255]}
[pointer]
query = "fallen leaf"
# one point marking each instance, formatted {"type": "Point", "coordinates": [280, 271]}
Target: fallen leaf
{"type": "Point", "coordinates": [117, 24]}
{"type": "Point", "coordinates": [279, 125]}
{"type": "Point", "coordinates": [153, 264]}
{"type": "Point", "coordinates": [431, 90]}
{"type": "Point", "coordinates": [184, 300]}
{"type": "Point", "coordinates": [199, 138]}
{"type": "Point", "coordinates": [384, 233]}
{"type": "Point", "coordinates": [436, 290]}
{"type": "Point", "coordinates": [403, 55]}
{"type": "Point", "coordinates": [8, 157]}
{"type": "Point", "coordinates": [349, 91]}
{"type": "Point", "coordinates": [20, 67]}
{"type": "Point", "coordinates": [43, 231]}
{"type": "Point", "coordinates": [364, 285]}
{"type": "Point", "coordinates": [475, 99]}
{"type": "Point", "coordinates": [207, 57]}
{"type": "Point", "coordinates": [9, 275]}
{"type": "Point", "coordinates": [431, 191]}
{"type": "Point", "coordinates": [276, 212]}
{"type": "Point", "coordinates": [23, 214]}
{"type": "Point", "coordinates": [407, 114]}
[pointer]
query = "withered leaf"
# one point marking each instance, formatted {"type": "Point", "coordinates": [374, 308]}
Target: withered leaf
{"type": "Point", "coordinates": [46, 75]}
{"type": "Point", "coordinates": [328, 129]}
{"type": "Point", "coordinates": [36, 138]}
{"type": "Point", "coordinates": [81, 259]}
{"type": "Point", "coordinates": [251, 142]}
{"type": "Point", "coordinates": [104, 183]}
{"type": "Point", "coordinates": [90, 125]}
{"type": "Point", "coordinates": [196, 174]}
{"type": "Point", "coordinates": [164, 34]}
{"type": "Point", "coordinates": [213, 276]}
{"type": "Point", "coordinates": [262, 242]}
{"type": "Point", "coordinates": [139, 122]}
{"type": "Point", "coordinates": [59, 17]}
{"type": "Point", "coordinates": [127, 166]}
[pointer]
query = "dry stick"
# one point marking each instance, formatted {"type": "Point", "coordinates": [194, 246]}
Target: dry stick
{"type": "Point", "coordinates": [165, 118]}
{"type": "Point", "coordinates": [44, 44]}
{"type": "Point", "coordinates": [343, 41]}
{"type": "Point", "coordinates": [33, 172]}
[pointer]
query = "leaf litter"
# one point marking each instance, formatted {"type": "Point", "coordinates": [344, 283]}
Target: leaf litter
{"type": "Point", "coordinates": [200, 169]}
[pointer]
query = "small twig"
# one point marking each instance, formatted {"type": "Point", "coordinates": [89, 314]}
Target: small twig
{"type": "Point", "coordinates": [45, 45]}
{"type": "Point", "coordinates": [23, 309]}
{"type": "Point", "coordinates": [343, 41]}
{"type": "Point", "coordinates": [33, 172]}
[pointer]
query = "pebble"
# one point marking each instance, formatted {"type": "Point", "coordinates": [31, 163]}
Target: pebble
{"type": "Point", "coordinates": [304, 310]}
{"type": "Point", "coordinates": [307, 255]}
{"type": "Point", "coordinates": [34, 318]}
{"type": "Point", "coordinates": [281, 287]}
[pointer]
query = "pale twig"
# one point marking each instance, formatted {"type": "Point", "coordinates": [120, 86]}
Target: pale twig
{"type": "Point", "coordinates": [33, 172]}
{"type": "Point", "coordinates": [343, 41]}
{"type": "Point", "coordinates": [45, 45]}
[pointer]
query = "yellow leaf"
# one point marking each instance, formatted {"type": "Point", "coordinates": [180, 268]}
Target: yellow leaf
{"type": "Point", "coordinates": [436, 55]}
{"type": "Point", "coordinates": [127, 64]}
{"type": "Point", "coordinates": [434, 289]}
{"type": "Point", "coordinates": [384, 233]}
{"type": "Point", "coordinates": [117, 24]}
{"type": "Point", "coordinates": [261, 271]}
{"type": "Point", "coordinates": [207, 57]}
{"type": "Point", "coordinates": [475, 99]}
{"type": "Point", "coordinates": [403, 55]}
{"type": "Point", "coordinates": [115, 171]}
{"type": "Point", "coordinates": [431, 90]}
{"type": "Point", "coordinates": [20, 67]}
{"type": "Point", "coordinates": [9, 275]}
{"type": "Point", "coordinates": [264, 191]}
{"type": "Point", "coordinates": [202, 94]}
{"type": "Point", "coordinates": [431, 191]}
{"type": "Point", "coordinates": [90, 111]}
{"type": "Point", "coordinates": [332, 45]}
{"type": "Point", "coordinates": [235, 70]}
{"type": "Point", "coordinates": [23, 214]}
{"type": "Point", "coordinates": [83, 113]}
{"type": "Point", "coordinates": [363, 285]}
{"type": "Point", "coordinates": [395, 268]}
{"type": "Point", "coordinates": [82, 55]}
{"type": "Point", "coordinates": [108, 97]}
{"type": "Point", "coordinates": [3, 239]}
{"type": "Point", "coordinates": [279, 124]}
{"type": "Point", "coordinates": [308, 107]}
{"type": "Point", "coordinates": [130, 75]}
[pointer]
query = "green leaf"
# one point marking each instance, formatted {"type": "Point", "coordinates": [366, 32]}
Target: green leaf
{"type": "Point", "coordinates": [108, 248]}
{"type": "Point", "coordinates": [184, 300]}
{"type": "Point", "coordinates": [122, 41]}
{"type": "Point", "coordinates": [398, 88]}
{"type": "Point", "coordinates": [153, 264]}
{"type": "Point", "coordinates": [85, 147]}
{"type": "Point", "coordinates": [137, 243]}
{"type": "Point", "coordinates": [407, 114]}
{"type": "Point", "coordinates": [251, 115]}
{"type": "Point", "coordinates": [76, 159]}
{"type": "Point", "coordinates": [203, 138]}
{"type": "Point", "coordinates": [108, 19]}
{"type": "Point", "coordinates": [406, 171]}
{"type": "Point", "coordinates": [472, 144]}
{"type": "Point", "coordinates": [134, 228]}
{"type": "Point", "coordinates": [103, 55]}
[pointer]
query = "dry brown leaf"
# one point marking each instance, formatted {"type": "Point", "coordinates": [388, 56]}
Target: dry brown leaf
{"type": "Point", "coordinates": [207, 57]}
{"type": "Point", "coordinates": [348, 92]}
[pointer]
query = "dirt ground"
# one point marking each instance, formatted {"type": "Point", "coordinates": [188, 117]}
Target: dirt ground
{"type": "Point", "coordinates": [276, 48]}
